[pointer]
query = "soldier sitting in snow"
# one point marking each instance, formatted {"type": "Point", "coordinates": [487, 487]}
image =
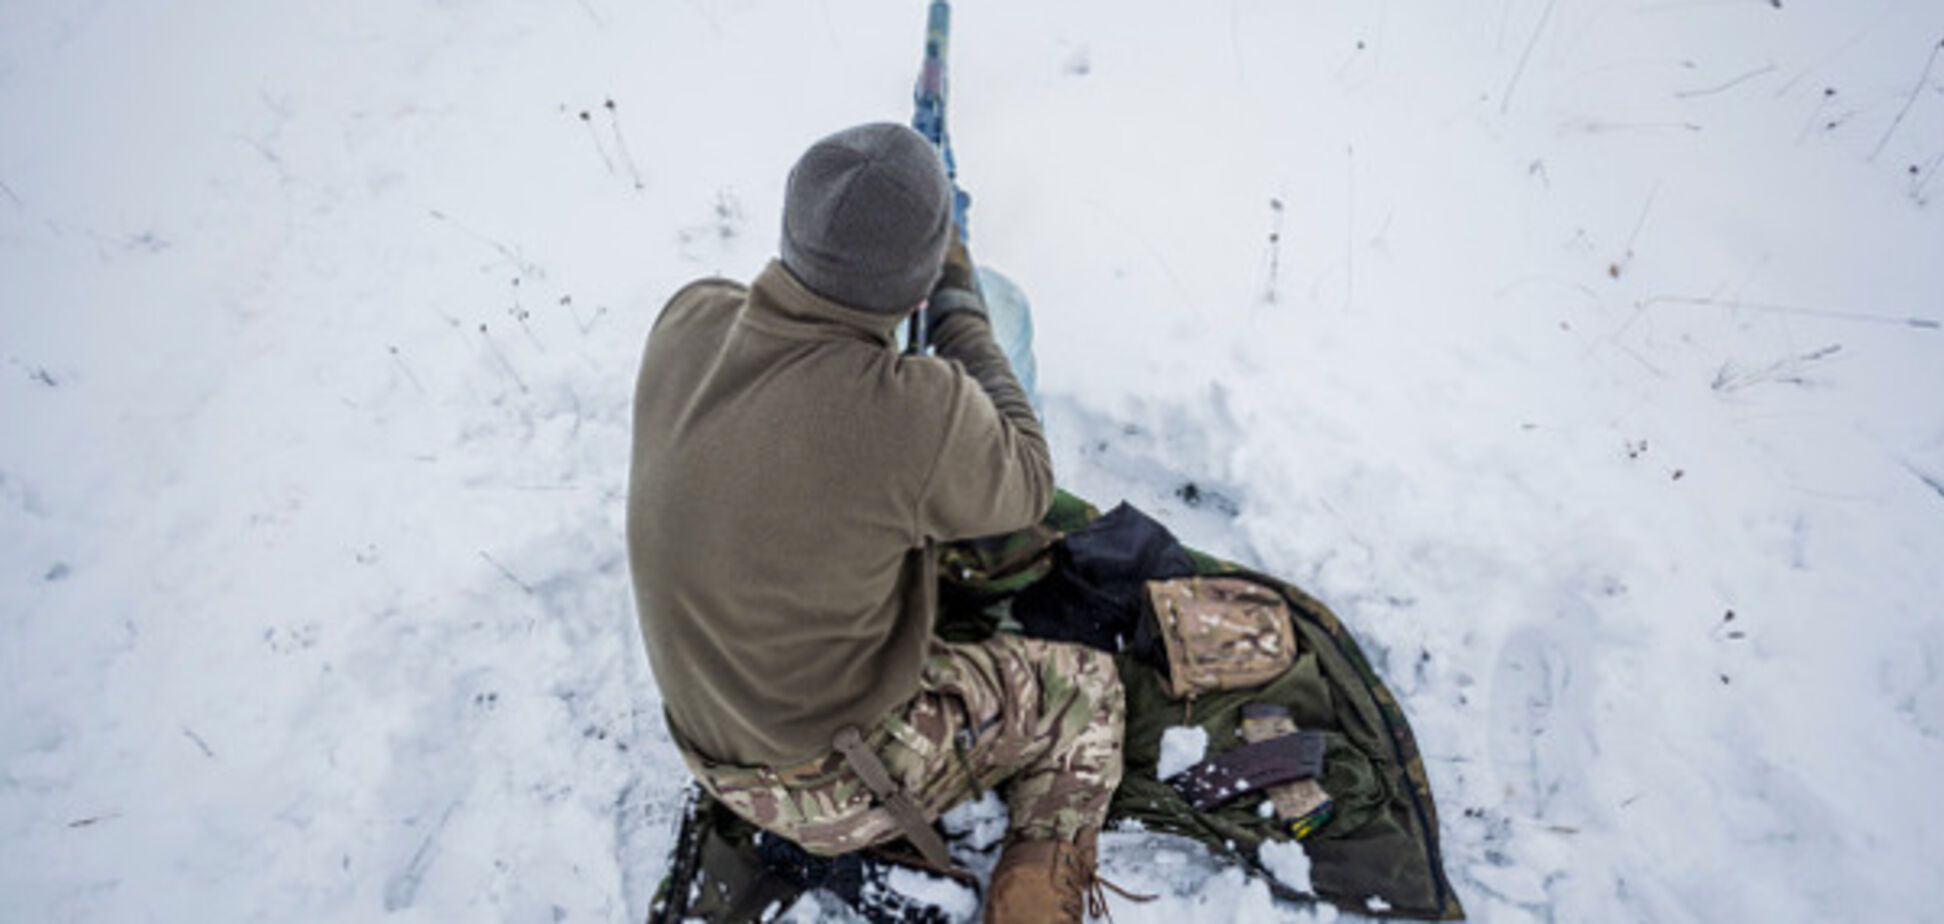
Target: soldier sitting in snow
{"type": "Point", "coordinates": [793, 475]}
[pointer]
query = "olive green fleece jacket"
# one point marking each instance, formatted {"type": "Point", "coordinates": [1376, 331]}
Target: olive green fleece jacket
{"type": "Point", "coordinates": [791, 475]}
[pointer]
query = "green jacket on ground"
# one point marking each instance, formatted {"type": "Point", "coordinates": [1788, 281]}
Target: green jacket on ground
{"type": "Point", "coordinates": [791, 473]}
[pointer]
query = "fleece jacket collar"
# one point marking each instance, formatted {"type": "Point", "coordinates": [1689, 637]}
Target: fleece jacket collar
{"type": "Point", "coordinates": [780, 304]}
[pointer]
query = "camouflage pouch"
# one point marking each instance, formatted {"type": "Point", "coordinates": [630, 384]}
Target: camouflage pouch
{"type": "Point", "coordinates": [1221, 633]}
{"type": "Point", "coordinates": [999, 565]}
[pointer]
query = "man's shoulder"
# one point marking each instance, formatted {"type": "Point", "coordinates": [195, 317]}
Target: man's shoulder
{"type": "Point", "coordinates": [710, 286]}
{"type": "Point", "coordinates": [702, 295]}
{"type": "Point", "coordinates": [926, 381]}
{"type": "Point", "coordinates": [917, 401]}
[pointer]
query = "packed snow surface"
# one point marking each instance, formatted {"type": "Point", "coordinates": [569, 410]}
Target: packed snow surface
{"type": "Point", "coordinates": [1288, 862]}
{"type": "Point", "coordinates": [1182, 746]}
{"type": "Point", "coordinates": [1582, 354]}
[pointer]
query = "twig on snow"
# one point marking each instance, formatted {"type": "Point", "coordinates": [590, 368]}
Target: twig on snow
{"type": "Point", "coordinates": [1275, 249]}
{"type": "Point", "coordinates": [587, 119]}
{"type": "Point", "coordinates": [36, 374]}
{"type": "Point", "coordinates": [519, 313]}
{"type": "Point", "coordinates": [200, 743]}
{"type": "Point", "coordinates": [1788, 370]}
{"type": "Point", "coordinates": [621, 144]}
{"type": "Point", "coordinates": [1923, 81]}
{"type": "Point", "coordinates": [1828, 93]}
{"type": "Point", "coordinates": [1922, 176]}
{"type": "Point", "coordinates": [402, 889]}
{"type": "Point", "coordinates": [1505, 99]}
{"type": "Point", "coordinates": [400, 360]}
{"type": "Point", "coordinates": [508, 572]}
{"type": "Point", "coordinates": [511, 254]}
{"type": "Point", "coordinates": [1921, 323]}
{"type": "Point", "coordinates": [1929, 482]}
{"type": "Point", "coordinates": [1626, 259]}
{"type": "Point", "coordinates": [1723, 88]}
{"type": "Point", "coordinates": [1160, 258]}
{"type": "Point", "coordinates": [567, 301]}
{"type": "Point", "coordinates": [1856, 38]}
{"type": "Point", "coordinates": [505, 363]}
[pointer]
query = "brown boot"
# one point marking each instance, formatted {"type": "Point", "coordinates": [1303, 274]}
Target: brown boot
{"type": "Point", "coordinates": [1049, 882]}
{"type": "Point", "coordinates": [1040, 882]}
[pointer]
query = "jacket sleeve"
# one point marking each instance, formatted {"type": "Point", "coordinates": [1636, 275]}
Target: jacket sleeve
{"type": "Point", "coordinates": [993, 473]}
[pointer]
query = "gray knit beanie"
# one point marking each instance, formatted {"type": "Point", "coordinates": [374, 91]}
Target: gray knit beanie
{"type": "Point", "coordinates": [867, 218]}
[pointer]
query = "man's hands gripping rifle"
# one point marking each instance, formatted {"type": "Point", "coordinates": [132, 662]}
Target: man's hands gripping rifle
{"type": "Point", "coordinates": [957, 289]}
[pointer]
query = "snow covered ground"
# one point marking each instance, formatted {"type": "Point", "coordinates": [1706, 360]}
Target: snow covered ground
{"type": "Point", "coordinates": [1582, 353]}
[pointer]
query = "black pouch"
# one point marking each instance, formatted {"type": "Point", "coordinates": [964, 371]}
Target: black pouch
{"type": "Point", "coordinates": [1094, 595]}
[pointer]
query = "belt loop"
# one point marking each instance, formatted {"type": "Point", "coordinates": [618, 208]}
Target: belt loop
{"type": "Point", "coordinates": [850, 743]}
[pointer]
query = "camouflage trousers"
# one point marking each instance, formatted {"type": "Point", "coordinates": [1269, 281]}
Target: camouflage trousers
{"type": "Point", "coordinates": [1040, 721]}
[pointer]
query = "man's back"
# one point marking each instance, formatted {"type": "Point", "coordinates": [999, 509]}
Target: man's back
{"type": "Point", "coordinates": [790, 471]}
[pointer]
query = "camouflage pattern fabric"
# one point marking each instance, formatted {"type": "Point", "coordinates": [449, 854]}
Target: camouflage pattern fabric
{"type": "Point", "coordinates": [1221, 633]}
{"type": "Point", "coordinates": [1040, 721]}
{"type": "Point", "coordinates": [1383, 837]}
{"type": "Point", "coordinates": [1382, 841]}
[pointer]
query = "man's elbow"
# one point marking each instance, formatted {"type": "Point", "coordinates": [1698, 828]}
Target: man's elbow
{"type": "Point", "coordinates": [1040, 486]}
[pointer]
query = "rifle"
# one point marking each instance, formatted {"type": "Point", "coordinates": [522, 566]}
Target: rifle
{"type": "Point", "coordinates": [928, 119]}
